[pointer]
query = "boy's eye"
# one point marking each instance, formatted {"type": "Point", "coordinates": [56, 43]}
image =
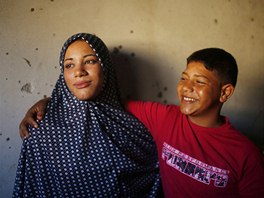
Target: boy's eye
{"type": "Point", "coordinates": [200, 82]}
{"type": "Point", "coordinates": [183, 78]}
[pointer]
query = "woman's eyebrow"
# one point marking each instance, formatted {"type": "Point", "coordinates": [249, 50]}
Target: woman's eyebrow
{"type": "Point", "coordinates": [89, 55]}
{"type": "Point", "coordinates": [66, 59]}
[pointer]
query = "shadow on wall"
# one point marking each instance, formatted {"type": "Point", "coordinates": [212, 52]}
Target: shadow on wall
{"type": "Point", "coordinates": [251, 123]}
{"type": "Point", "coordinates": [136, 77]}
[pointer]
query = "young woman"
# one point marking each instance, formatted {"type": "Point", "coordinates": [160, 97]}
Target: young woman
{"type": "Point", "coordinates": [87, 145]}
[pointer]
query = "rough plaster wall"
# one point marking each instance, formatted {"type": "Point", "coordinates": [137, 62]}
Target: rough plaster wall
{"type": "Point", "coordinates": [149, 39]}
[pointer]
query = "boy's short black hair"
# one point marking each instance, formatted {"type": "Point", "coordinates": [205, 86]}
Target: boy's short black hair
{"type": "Point", "coordinates": [215, 59]}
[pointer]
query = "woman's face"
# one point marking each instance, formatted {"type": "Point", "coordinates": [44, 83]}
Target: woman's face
{"type": "Point", "coordinates": [82, 71]}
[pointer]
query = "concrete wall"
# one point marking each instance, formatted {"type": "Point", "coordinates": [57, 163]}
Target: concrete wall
{"type": "Point", "coordinates": [150, 40]}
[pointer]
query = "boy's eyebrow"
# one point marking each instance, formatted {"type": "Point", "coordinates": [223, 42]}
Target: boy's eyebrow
{"type": "Point", "coordinates": [202, 76]}
{"type": "Point", "coordinates": [197, 75]}
{"type": "Point", "coordinates": [87, 55]}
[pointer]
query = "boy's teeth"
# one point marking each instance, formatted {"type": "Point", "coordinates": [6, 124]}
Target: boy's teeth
{"type": "Point", "coordinates": [188, 99]}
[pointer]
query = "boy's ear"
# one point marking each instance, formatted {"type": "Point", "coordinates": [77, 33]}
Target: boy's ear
{"type": "Point", "coordinates": [226, 92]}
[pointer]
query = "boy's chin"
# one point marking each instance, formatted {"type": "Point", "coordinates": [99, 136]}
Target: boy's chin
{"type": "Point", "coordinates": [186, 111]}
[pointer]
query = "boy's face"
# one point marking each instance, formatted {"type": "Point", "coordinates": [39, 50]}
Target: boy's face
{"type": "Point", "coordinates": [82, 71]}
{"type": "Point", "coordinates": [199, 91]}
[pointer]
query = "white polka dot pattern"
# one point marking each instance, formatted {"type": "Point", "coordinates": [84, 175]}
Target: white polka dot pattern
{"type": "Point", "coordinates": [88, 148]}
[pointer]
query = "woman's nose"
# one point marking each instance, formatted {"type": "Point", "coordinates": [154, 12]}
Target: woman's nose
{"type": "Point", "coordinates": [80, 71]}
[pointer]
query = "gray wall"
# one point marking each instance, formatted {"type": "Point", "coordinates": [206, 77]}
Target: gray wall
{"type": "Point", "coordinates": [150, 40]}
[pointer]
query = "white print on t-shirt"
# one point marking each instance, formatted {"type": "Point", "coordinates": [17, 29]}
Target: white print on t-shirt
{"type": "Point", "coordinates": [194, 168]}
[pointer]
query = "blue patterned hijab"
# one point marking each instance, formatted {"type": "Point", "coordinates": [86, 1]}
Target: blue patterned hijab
{"type": "Point", "coordinates": [88, 148]}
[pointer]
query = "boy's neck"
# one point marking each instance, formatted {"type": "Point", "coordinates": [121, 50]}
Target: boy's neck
{"type": "Point", "coordinates": [209, 123]}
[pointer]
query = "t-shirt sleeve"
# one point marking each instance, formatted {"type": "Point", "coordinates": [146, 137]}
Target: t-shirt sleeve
{"type": "Point", "coordinates": [252, 179]}
{"type": "Point", "coordinates": [148, 113]}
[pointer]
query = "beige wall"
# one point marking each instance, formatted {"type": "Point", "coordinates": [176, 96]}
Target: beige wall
{"type": "Point", "coordinates": [151, 40]}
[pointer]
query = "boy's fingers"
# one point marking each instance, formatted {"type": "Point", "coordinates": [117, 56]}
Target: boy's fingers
{"type": "Point", "coordinates": [23, 130]}
{"type": "Point", "coordinates": [37, 111]}
{"type": "Point", "coordinates": [40, 115]}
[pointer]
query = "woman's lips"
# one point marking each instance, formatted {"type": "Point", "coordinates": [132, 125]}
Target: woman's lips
{"type": "Point", "coordinates": [83, 84]}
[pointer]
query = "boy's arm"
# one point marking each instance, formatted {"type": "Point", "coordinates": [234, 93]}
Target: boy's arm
{"type": "Point", "coordinates": [36, 112]}
{"type": "Point", "coordinates": [146, 112]}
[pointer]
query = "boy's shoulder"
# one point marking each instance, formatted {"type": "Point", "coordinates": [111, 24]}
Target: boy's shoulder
{"type": "Point", "coordinates": [152, 106]}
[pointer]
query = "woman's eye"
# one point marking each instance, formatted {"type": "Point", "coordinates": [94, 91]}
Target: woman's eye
{"type": "Point", "coordinates": [67, 66]}
{"type": "Point", "coordinates": [92, 62]}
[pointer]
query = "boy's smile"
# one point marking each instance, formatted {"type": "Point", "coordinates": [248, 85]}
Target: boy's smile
{"type": "Point", "coordinates": [199, 91]}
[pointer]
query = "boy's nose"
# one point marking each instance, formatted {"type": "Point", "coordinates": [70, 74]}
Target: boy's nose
{"type": "Point", "coordinates": [188, 86]}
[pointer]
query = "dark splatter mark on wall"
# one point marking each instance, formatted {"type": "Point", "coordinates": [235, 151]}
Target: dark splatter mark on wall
{"type": "Point", "coordinates": [133, 54]}
{"type": "Point", "coordinates": [36, 49]}
{"type": "Point", "coordinates": [216, 21]}
{"type": "Point", "coordinates": [1, 134]}
{"type": "Point", "coordinates": [28, 62]}
{"type": "Point", "coordinates": [252, 19]}
{"type": "Point", "coordinates": [117, 49]}
{"type": "Point", "coordinates": [131, 31]}
{"type": "Point", "coordinates": [6, 78]}
{"type": "Point", "coordinates": [7, 53]}
{"type": "Point", "coordinates": [165, 101]}
{"type": "Point", "coordinates": [160, 94]}
{"type": "Point", "coordinates": [7, 139]}
{"type": "Point", "coordinates": [44, 96]}
{"type": "Point", "coordinates": [19, 81]}
{"type": "Point", "coordinates": [27, 88]}
{"type": "Point", "coordinates": [252, 37]}
{"type": "Point", "coordinates": [165, 88]}
{"type": "Point", "coordinates": [32, 9]}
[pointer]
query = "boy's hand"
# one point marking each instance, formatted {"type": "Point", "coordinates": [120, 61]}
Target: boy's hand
{"type": "Point", "coordinates": [36, 112]}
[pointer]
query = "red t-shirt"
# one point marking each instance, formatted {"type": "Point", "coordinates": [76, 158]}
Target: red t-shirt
{"type": "Point", "coordinates": [197, 161]}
